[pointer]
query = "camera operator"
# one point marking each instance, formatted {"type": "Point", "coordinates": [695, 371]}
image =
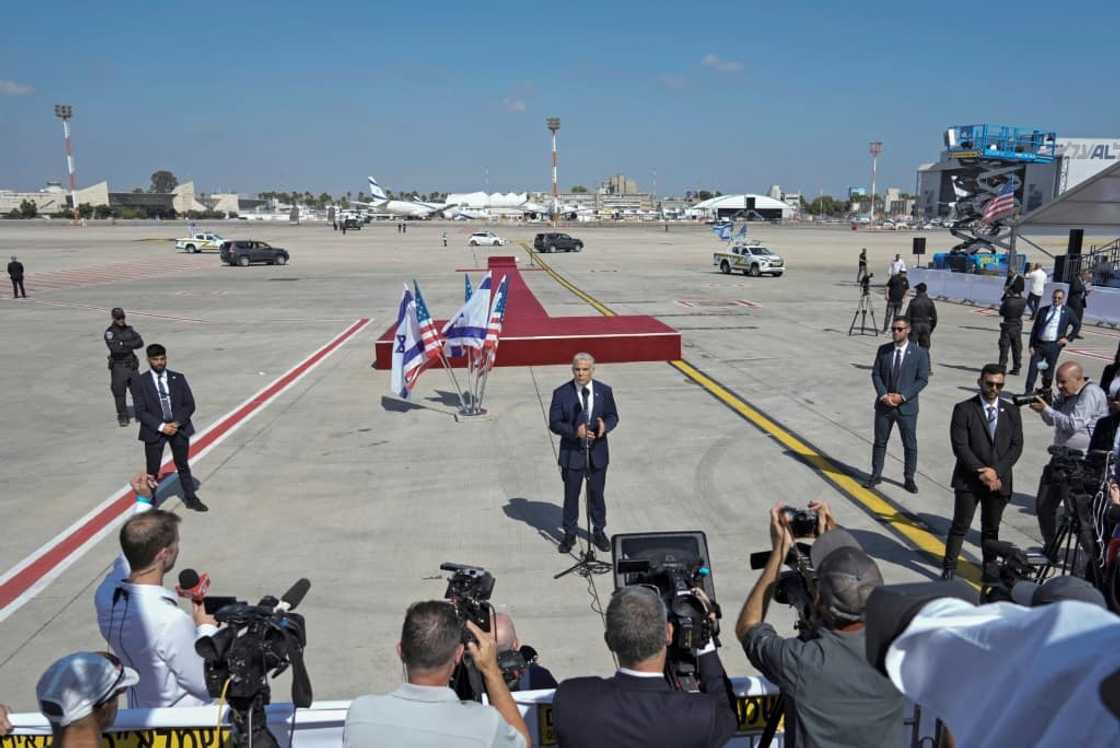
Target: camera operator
{"type": "Point", "coordinates": [637, 706]}
{"type": "Point", "coordinates": [141, 619]}
{"type": "Point", "coordinates": [533, 676]}
{"type": "Point", "coordinates": [424, 711]}
{"type": "Point", "coordinates": [895, 292]}
{"type": "Point", "coordinates": [1000, 674]}
{"type": "Point", "coordinates": [837, 699]}
{"type": "Point", "coordinates": [1077, 407]}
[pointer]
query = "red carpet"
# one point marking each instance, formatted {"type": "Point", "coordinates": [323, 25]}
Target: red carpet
{"type": "Point", "coordinates": [530, 337]}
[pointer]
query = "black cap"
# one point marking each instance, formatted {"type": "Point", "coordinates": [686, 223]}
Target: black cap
{"type": "Point", "coordinates": [891, 608]}
{"type": "Point", "coordinates": [117, 313]}
{"type": "Point", "coordinates": [1055, 590]}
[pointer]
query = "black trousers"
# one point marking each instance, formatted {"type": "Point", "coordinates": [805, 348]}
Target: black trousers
{"type": "Point", "coordinates": [894, 308]}
{"type": "Point", "coordinates": [1043, 351]}
{"type": "Point", "coordinates": [919, 333]}
{"type": "Point", "coordinates": [17, 288]}
{"type": "Point", "coordinates": [1077, 306]}
{"type": "Point", "coordinates": [861, 271]}
{"type": "Point", "coordinates": [180, 448]}
{"type": "Point", "coordinates": [1011, 338]}
{"type": "Point", "coordinates": [120, 374]}
{"type": "Point", "coordinates": [885, 418]}
{"type": "Point", "coordinates": [573, 489]}
{"type": "Point", "coordinates": [964, 509]}
{"type": "Point", "coordinates": [1032, 302]}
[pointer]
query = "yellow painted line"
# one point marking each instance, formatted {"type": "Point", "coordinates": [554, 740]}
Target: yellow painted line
{"type": "Point", "coordinates": [913, 530]}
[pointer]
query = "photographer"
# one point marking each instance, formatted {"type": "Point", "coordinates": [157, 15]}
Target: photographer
{"type": "Point", "coordinates": [424, 711]}
{"type": "Point", "coordinates": [533, 676]}
{"type": "Point", "coordinates": [637, 706]}
{"type": "Point", "coordinates": [141, 619]}
{"type": "Point", "coordinates": [1077, 407]}
{"type": "Point", "coordinates": [1000, 674]}
{"type": "Point", "coordinates": [837, 699]}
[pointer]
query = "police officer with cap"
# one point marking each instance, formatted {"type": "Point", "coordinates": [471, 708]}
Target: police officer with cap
{"type": "Point", "coordinates": [121, 341]}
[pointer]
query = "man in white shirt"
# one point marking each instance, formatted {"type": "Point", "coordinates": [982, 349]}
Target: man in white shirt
{"type": "Point", "coordinates": [897, 265]}
{"type": "Point", "coordinates": [141, 619]}
{"type": "Point", "coordinates": [424, 712]}
{"type": "Point", "coordinates": [1036, 286]}
{"type": "Point", "coordinates": [1053, 328]}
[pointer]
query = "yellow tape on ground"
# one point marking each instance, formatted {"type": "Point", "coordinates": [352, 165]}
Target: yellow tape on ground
{"type": "Point", "coordinates": [914, 531]}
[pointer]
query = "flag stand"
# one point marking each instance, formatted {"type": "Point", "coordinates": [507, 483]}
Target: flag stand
{"type": "Point", "coordinates": [454, 382]}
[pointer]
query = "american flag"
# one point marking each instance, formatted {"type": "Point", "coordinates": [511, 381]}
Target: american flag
{"type": "Point", "coordinates": [1000, 205]}
{"type": "Point", "coordinates": [429, 336]}
{"type": "Point", "coordinates": [494, 326]}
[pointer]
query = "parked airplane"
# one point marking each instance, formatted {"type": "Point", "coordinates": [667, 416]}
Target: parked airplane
{"type": "Point", "coordinates": [405, 208]}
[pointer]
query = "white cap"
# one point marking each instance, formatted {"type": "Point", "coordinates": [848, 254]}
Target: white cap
{"type": "Point", "coordinates": [73, 686]}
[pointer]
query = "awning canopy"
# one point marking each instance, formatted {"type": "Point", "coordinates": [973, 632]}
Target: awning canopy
{"type": "Point", "coordinates": [1095, 203]}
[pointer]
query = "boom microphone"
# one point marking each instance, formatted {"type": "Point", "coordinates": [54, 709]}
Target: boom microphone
{"type": "Point", "coordinates": [294, 596]}
{"type": "Point", "coordinates": [192, 586]}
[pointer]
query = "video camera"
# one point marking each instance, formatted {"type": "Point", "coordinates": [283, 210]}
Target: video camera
{"type": "Point", "coordinates": [256, 639]}
{"type": "Point", "coordinates": [1083, 473]}
{"type": "Point", "coordinates": [865, 284]}
{"type": "Point", "coordinates": [675, 564]}
{"type": "Point", "coordinates": [468, 590]}
{"type": "Point", "coordinates": [1042, 393]}
{"type": "Point", "coordinates": [1011, 566]}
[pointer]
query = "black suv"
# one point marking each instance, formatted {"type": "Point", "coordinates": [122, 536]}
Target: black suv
{"type": "Point", "coordinates": [244, 253]}
{"type": "Point", "coordinates": [556, 242]}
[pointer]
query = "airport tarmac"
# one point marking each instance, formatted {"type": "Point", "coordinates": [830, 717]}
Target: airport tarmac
{"type": "Point", "coordinates": [366, 497]}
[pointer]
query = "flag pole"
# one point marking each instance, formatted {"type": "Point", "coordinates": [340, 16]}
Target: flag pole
{"type": "Point", "coordinates": [482, 389]}
{"type": "Point", "coordinates": [454, 381]}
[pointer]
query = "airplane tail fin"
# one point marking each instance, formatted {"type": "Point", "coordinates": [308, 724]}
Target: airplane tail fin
{"type": "Point", "coordinates": [376, 193]}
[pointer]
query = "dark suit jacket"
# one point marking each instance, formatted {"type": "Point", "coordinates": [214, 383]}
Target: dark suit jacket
{"type": "Point", "coordinates": [1066, 321]}
{"type": "Point", "coordinates": [145, 401]}
{"type": "Point", "coordinates": [15, 270]}
{"type": "Point", "coordinates": [1077, 292]}
{"type": "Point", "coordinates": [921, 311]}
{"type": "Point", "coordinates": [1108, 375]}
{"type": "Point", "coordinates": [974, 449]}
{"type": "Point", "coordinates": [625, 711]}
{"type": "Point", "coordinates": [565, 415]}
{"type": "Point", "coordinates": [913, 379]}
{"type": "Point", "coordinates": [1104, 432]}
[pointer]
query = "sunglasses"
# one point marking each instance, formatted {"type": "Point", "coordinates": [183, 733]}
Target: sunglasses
{"type": "Point", "coordinates": [994, 385]}
{"type": "Point", "coordinates": [900, 329]}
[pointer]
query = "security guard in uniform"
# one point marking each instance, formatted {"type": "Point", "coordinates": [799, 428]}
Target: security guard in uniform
{"type": "Point", "coordinates": [1011, 329]}
{"type": "Point", "coordinates": [121, 341]}
{"type": "Point", "coordinates": [922, 316]}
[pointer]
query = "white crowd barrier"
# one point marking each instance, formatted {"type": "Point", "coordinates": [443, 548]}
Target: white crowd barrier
{"type": "Point", "coordinates": [320, 725]}
{"type": "Point", "coordinates": [987, 290]}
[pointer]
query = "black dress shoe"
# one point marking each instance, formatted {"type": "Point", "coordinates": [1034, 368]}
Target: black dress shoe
{"type": "Point", "coordinates": [911, 486]}
{"type": "Point", "coordinates": [122, 420]}
{"type": "Point", "coordinates": [1014, 372]}
{"type": "Point", "coordinates": [601, 541]}
{"type": "Point", "coordinates": [872, 481]}
{"type": "Point", "coordinates": [195, 504]}
{"type": "Point", "coordinates": [947, 574]}
{"type": "Point", "coordinates": [567, 544]}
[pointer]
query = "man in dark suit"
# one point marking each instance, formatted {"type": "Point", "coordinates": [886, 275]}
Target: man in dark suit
{"type": "Point", "coordinates": [1054, 326]}
{"type": "Point", "coordinates": [1079, 287]}
{"type": "Point", "coordinates": [987, 437]}
{"type": "Point", "coordinates": [583, 413]}
{"type": "Point", "coordinates": [921, 313]}
{"type": "Point", "coordinates": [163, 404]}
{"type": "Point", "coordinates": [900, 372]}
{"type": "Point", "coordinates": [897, 287]}
{"type": "Point", "coordinates": [637, 707]}
{"type": "Point", "coordinates": [1011, 329]}
{"type": "Point", "coordinates": [15, 272]}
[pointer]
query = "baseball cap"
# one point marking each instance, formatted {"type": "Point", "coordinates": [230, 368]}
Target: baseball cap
{"type": "Point", "coordinates": [846, 575]}
{"type": "Point", "coordinates": [77, 684]}
{"type": "Point", "coordinates": [1055, 590]}
{"type": "Point", "coordinates": [117, 313]}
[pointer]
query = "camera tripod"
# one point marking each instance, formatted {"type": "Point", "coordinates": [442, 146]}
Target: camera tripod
{"type": "Point", "coordinates": [1063, 550]}
{"type": "Point", "coordinates": [587, 564]}
{"type": "Point", "coordinates": [863, 308]}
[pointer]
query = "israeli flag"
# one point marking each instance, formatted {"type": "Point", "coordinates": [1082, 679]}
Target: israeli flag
{"type": "Point", "coordinates": [467, 329]}
{"type": "Point", "coordinates": [743, 231]}
{"type": "Point", "coordinates": [408, 349]}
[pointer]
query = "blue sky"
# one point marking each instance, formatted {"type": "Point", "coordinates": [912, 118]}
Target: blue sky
{"type": "Point", "coordinates": [428, 95]}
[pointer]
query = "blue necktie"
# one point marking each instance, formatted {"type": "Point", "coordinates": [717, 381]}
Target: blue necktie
{"type": "Point", "coordinates": [585, 394]}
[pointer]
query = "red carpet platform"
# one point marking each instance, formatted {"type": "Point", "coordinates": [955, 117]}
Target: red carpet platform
{"type": "Point", "coordinates": [530, 337]}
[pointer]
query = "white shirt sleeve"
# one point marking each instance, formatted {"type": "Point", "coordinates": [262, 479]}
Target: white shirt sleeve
{"type": "Point", "coordinates": [176, 648]}
{"type": "Point", "coordinates": [103, 597]}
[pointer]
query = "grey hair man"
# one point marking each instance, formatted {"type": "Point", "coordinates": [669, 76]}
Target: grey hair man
{"type": "Point", "coordinates": [838, 700]}
{"type": "Point", "coordinates": [637, 706]}
{"type": "Point", "coordinates": [527, 674]}
{"type": "Point", "coordinates": [424, 712]}
{"type": "Point", "coordinates": [582, 413]}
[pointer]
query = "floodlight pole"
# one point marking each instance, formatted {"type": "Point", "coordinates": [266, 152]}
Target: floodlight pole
{"type": "Point", "coordinates": [64, 112]}
{"type": "Point", "coordinates": [876, 149]}
{"type": "Point", "coordinates": [553, 124]}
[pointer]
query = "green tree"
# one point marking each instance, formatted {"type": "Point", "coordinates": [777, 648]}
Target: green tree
{"type": "Point", "coordinates": [578, 188]}
{"type": "Point", "coordinates": [28, 209]}
{"type": "Point", "coordinates": [102, 211]}
{"type": "Point", "coordinates": [704, 195]}
{"type": "Point", "coordinates": [325, 200]}
{"type": "Point", "coordinates": [163, 181]}
{"type": "Point", "coordinates": [137, 190]}
{"type": "Point", "coordinates": [85, 210]}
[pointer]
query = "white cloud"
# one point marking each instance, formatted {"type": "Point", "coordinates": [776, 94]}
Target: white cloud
{"type": "Point", "coordinates": [672, 81]}
{"type": "Point", "coordinates": [724, 66]}
{"type": "Point", "coordinates": [514, 104]}
{"type": "Point", "coordinates": [11, 88]}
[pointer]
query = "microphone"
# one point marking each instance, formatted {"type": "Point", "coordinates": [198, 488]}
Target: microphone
{"type": "Point", "coordinates": [193, 586]}
{"type": "Point", "coordinates": [294, 596]}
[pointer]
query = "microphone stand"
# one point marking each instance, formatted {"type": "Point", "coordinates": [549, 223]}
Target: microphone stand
{"type": "Point", "coordinates": [587, 564]}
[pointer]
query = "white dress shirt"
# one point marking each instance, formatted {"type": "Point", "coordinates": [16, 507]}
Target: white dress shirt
{"type": "Point", "coordinates": [151, 634]}
{"type": "Point", "coordinates": [897, 266]}
{"type": "Point", "coordinates": [1049, 333]}
{"type": "Point", "coordinates": [1038, 281]}
{"type": "Point", "coordinates": [590, 397]}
